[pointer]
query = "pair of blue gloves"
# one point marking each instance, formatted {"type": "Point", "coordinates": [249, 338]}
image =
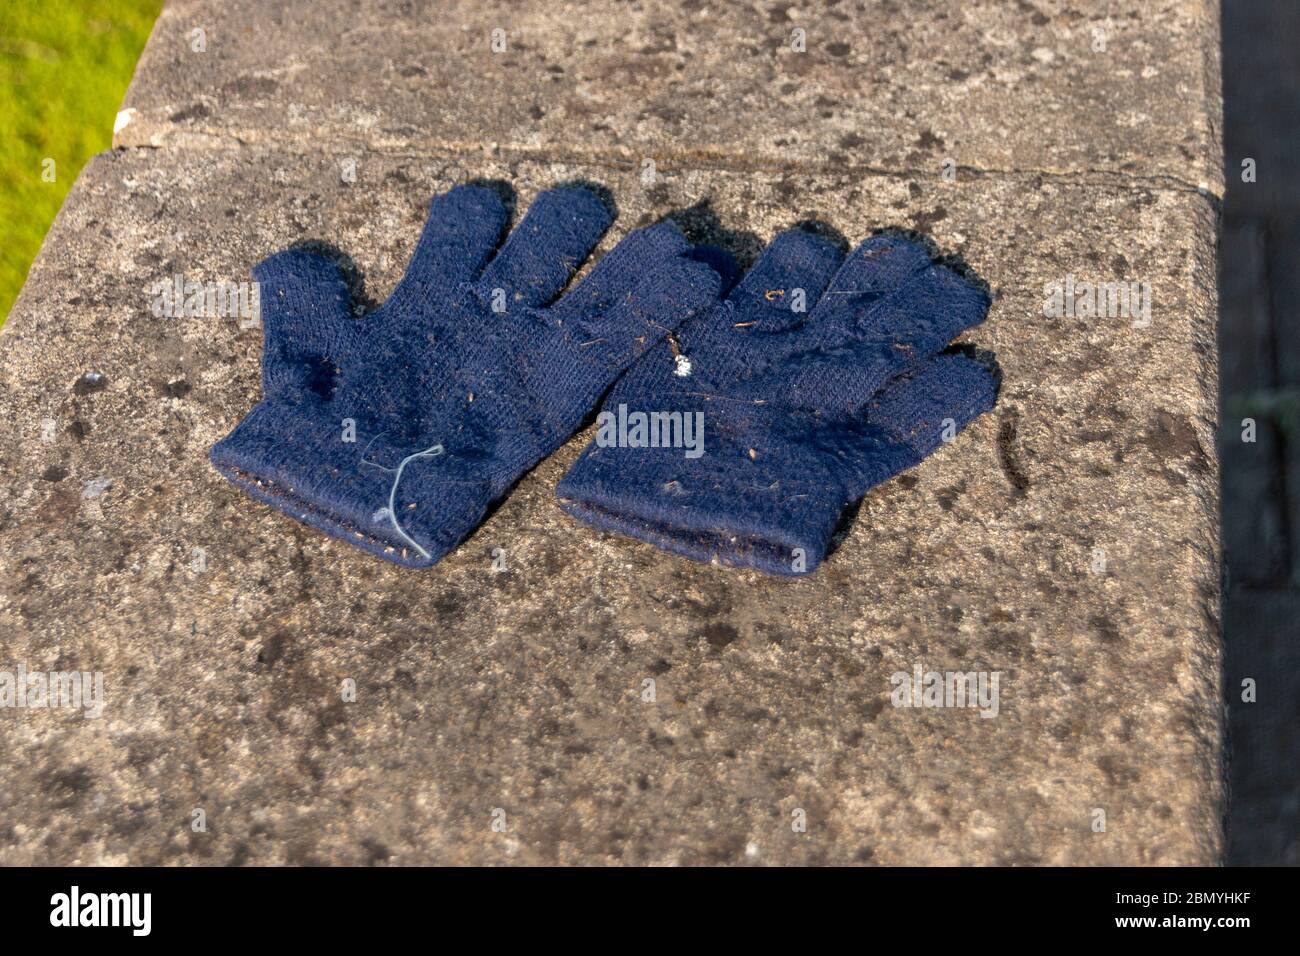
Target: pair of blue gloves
{"type": "Point", "coordinates": [741, 423]}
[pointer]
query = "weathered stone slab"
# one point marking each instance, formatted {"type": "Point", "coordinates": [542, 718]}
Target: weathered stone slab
{"type": "Point", "coordinates": [1068, 541]}
{"type": "Point", "coordinates": [1099, 88]}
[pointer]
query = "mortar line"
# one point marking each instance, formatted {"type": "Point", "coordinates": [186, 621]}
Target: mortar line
{"type": "Point", "coordinates": [627, 162]}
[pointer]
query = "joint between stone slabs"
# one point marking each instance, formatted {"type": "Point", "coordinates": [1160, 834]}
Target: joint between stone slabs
{"type": "Point", "coordinates": [627, 161]}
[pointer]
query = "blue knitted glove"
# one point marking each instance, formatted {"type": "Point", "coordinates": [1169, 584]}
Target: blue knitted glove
{"type": "Point", "coordinates": [803, 411]}
{"type": "Point", "coordinates": [396, 431]}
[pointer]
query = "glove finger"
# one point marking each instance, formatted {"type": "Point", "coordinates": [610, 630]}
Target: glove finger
{"type": "Point", "coordinates": [789, 276]}
{"type": "Point", "coordinates": [770, 304]}
{"type": "Point", "coordinates": [850, 351]}
{"type": "Point", "coordinates": [924, 315]}
{"type": "Point", "coordinates": [665, 298]}
{"type": "Point", "coordinates": [461, 233]}
{"type": "Point", "coordinates": [306, 319]}
{"type": "Point", "coordinates": [876, 337]}
{"type": "Point", "coordinates": [877, 267]}
{"type": "Point", "coordinates": [545, 249]}
{"type": "Point", "coordinates": [924, 409]}
{"type": "Point", "coordinates": [620, 270]}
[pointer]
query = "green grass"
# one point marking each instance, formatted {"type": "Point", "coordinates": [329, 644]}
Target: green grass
{"type": "Point", "coordinates": [64, 66]}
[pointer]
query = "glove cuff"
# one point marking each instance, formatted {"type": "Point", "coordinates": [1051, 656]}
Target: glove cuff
{"type": "Point", "coordinates": [301, 459]}
{"type": "Point", "coordinates": [763, 497]}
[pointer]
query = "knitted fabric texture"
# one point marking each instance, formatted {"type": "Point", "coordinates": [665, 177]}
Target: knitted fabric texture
{"type": "Point", "coordinates": [803, 410]}
{"type": "Point", "coordinates": [396, 431]}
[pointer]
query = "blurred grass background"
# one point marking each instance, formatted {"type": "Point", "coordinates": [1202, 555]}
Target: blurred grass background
{"type": "Point", "coordinates": [64, 67]}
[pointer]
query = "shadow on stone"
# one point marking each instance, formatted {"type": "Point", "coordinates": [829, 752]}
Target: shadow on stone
{"type": "Point", "coordinates": [600, 190]}
{"type": "Point", "coordinates": [505, 192]}
{"type": "Point", "coordinates": [704, 227]}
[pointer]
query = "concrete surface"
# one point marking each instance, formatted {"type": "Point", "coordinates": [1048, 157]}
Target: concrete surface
{"type": "Point", "coordinates": [1106, 89]}
{"type": "Point", "coordinates": [1067, 541]}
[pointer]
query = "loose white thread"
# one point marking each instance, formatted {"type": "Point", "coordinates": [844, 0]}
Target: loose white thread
{"type": "Point", "coordinates": [431, 452]}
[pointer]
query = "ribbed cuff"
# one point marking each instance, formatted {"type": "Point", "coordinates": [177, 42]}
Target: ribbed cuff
{"type": "Point", "coordinates": [754, 498]}
{"type": "Point", "coordinates": [296, 458]}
